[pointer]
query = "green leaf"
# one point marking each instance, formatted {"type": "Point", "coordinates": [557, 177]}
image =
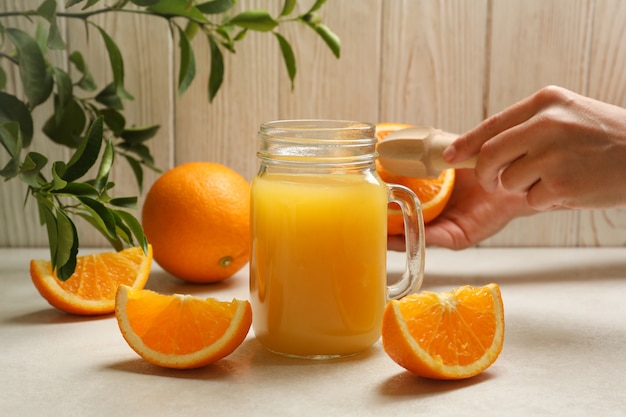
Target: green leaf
{"type": "Point", "coordinates": [86, 154]}
{"type": "Point", "coordinates": [113, 119]}
{"type": "Point", "coordinates": [106, 162]}
{"type": "Point", "coordinates": [86, 82]}
{"type": "Point", "coordinates": [141, 150]}
{"type": "Point", "coordinates": [108, 97]}
{"type": "Point", "coordinates": [187, 71]}
{"type": "Point", "coordinates": [67, 246]}
{"type": "Point", "coordinates": [65, 92]}
{"type": "Point", "coordinates": [65, 126]}
{"type": "Point", "coordinates": [135, 227]}
{"type": "Point", "coordinates": [97, 224]}
{"type": "Point", "coordinates": [36, 79]}
{"type": "Point", "coordinates": [216, 76]}
{"type": "Point", "coordinates": [117, 65]}
{"type": "Point", "coordinates": [288, 57]}
{"type": "Point", "coordinates": [215, 6]}
{"type": "Point", "coordinates": [69, 3]}
{"type": "Point", "coordinates": [137, 171]}
{"type": "Point", "coordinates": [62, 237]}
{"type": "Point", "coordinates": [191, 28]}
{"type": "Point", "coordinates": [3, 79]}
{"type": "Point", "coordinates": [135, 135]}
{"type": "Point", "coordinates": [48, 10]}
{"type": "Point", "coordinates": [228, 41]}
{"type": "Point", "coordinates": [77, 189]}
{"type": "Point", "coordinates": [58, 183]}
{"type": "Point", "coordinates": [242, 34]}
{"type": "Point", "coordinates": [123, 232]}
{"type": "Point", "coordinates": [90, 3]}
{"type": "Point", "coordinates": [55, 41]}
{"type": "Point", "coordinates": [143, 3]}
{"type": "Point", "coordinates": [102, 216]}
{"type": "Point", "coordinates": [126, 202]}
{"type": "Point", "coordinates": [316, 6]}
{"type": "Point", "coordinates": [30, 171]}
{"type": "Point", "coordinates": [46, 217]}
{"type": "Point", "coordinates": [259, 20]}
{"type": "Point", "coordinates": [11, 140]}
{"type": "Point", "coordinates": [14, 110]}
{"type": "Point", "coordinates": [288, 7]}
{"type": "Point", "coordinates": [332, 40]}
{"type": "Point", "coordinates": [41, 37]}
{"type": "Point", "coordinates": [181, 8]}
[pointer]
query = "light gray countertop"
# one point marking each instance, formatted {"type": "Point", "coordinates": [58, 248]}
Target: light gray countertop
{"type": "Point", "coordinates": [564, 351]}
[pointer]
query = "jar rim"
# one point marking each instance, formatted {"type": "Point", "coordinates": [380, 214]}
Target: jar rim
{"type": "Point", "coordinates": [321, 124]}
{"type": "Point", "coordinates": [320, 142]}
{"type": "Point", "coordinates": [327, 130]}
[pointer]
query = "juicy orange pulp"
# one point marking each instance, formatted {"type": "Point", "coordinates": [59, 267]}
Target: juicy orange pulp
{"type": "Point", "coordinates": [91, 289]}
{"type": "Point", "coordinates": [181, 331]}
{"type": "Point", "coordinates": [449, 335]}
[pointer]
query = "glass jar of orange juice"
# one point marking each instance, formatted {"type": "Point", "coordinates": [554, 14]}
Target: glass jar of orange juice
{"type": "Point", "coordinates": [318, 273]}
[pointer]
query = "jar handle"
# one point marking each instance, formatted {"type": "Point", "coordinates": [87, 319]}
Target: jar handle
{"type": "Point", "coordinates": [413, 275]}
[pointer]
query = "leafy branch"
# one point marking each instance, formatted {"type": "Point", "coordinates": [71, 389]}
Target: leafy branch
{"type": "Point", "coordinates": [89, 120]}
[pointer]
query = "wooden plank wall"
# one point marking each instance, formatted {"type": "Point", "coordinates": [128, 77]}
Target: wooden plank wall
{"type": "Point", "coordinates": [447, 63]}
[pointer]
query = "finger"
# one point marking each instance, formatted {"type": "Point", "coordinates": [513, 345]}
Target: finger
{"type": "Point", "coordinates": [438, 236]}
{"type": "Point", "coordinates": [520, 175]}
{"type": "Point", "coordinates": [540, 198]}
{"type": "Point", "coordinates": [471, 142]}
{"type": "Point", "coordinates": [446, 234]}
{"type": "Point", "coordinates": [499, 153]}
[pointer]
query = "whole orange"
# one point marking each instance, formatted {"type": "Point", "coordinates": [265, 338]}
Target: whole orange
{"type": "Point", "coordinates": [197, 218]}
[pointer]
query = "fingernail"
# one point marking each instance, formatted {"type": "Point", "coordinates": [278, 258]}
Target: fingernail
{"type": "Point", "coordinates": [449, 153]}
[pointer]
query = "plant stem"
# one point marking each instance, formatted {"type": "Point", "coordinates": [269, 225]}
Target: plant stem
{"type": "Point", "coordinates": [9, 57]}
{"type": "Point", "coordinates": [87, 15]}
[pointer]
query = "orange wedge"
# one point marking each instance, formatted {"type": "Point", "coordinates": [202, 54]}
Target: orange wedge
{"type": "Point", "coordinates": [91, 289]}
{"type": "Point", "coordinates": [449, 335]}
{"type": "Point", "coordinates": [433, 193]}
{"type": "Point", "coordinates": [181, 331]}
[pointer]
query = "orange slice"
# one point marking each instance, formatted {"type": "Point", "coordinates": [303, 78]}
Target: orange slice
{"type": "Point", "coordinates": [385, 128]}
{"type": "Point", "coordinates": [91, 289]}
{"type": "Point", "coordinates": [433, 193]}
{"type": "Point", "coordinates": [449, 335]}
{"type": "Point", "coordinates": [181, 331]}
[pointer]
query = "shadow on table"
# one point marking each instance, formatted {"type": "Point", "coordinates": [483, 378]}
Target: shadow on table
{"type": "Point", "coordinates": [51, 316]}
{"type": "Point", "coordinates": [221, 370]}
{"type": "Point", "coordinates": [257, 355]}
{"type": "Point", "coordinates": [250, 355]}
{"type": "Point", "coordinates": [251, 362]}
{"type": "Point", "coordinates": [406, 384]}
{"type": "Point", "coordinates": [165, 283]}
{"type": "Point", "coordinates": [160, 281]}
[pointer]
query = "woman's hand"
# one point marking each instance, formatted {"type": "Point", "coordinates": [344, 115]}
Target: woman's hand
{"type": "Point", "coordinates": [555, 149]}
{"type": "Point", "coordinates": [471, 215]}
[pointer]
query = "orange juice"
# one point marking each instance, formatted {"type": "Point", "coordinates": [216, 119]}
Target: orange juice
{"type": "Point", "coordinates": [318, 267]}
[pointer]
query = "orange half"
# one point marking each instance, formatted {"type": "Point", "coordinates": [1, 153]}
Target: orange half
{"type": "Point", "coordinates": [449, 335]}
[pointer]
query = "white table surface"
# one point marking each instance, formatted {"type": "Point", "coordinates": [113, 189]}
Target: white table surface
{"type": "Point", "coordinates": [564, 351]}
